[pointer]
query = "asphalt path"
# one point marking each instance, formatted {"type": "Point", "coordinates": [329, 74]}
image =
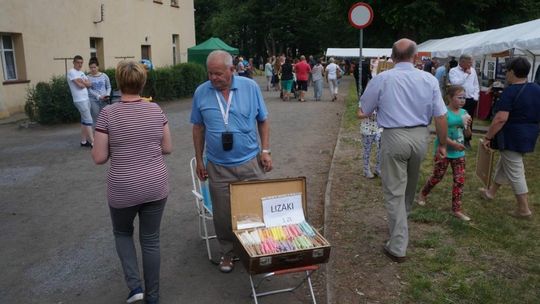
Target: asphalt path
{"type": "Point", "coordinates": [55, 232]}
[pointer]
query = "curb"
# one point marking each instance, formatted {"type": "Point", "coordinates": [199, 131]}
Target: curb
{"type": "Point", "coordinates": [327, 203]}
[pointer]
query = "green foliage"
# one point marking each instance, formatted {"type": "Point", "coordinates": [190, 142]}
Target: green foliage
{"type": "Point", "coordinates": [51, 102]}
{"type": "Point", "coordinates": [309, 27]}
{"type": "Point", "coordinates": [111, 74]}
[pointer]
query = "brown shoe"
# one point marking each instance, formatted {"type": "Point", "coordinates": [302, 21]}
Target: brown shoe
{"type": "Point", "coordinates": [520, 216]}
{"type": "Point", "coordinates": [392, 257]}
{"type": "Point", "coordinates": [226, 264]}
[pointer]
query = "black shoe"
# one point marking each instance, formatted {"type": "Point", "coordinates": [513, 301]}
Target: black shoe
{"type": "Point", "coordinates": [87, 144]}
{"type": "Point", "coordinates": [393, 257]}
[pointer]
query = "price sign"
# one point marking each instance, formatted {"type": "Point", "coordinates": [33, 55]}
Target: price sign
{"type": "Point", "coordinates": [283, 209]}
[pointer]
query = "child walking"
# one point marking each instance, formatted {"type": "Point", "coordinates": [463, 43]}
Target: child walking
{"type": "Point", "coordinates": [459, 122]}
{"type": "Point", "coordinates": [371, 134]}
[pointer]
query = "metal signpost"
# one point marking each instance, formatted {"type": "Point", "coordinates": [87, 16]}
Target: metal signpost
{"type": "Point", "coordinates": [360, 16]}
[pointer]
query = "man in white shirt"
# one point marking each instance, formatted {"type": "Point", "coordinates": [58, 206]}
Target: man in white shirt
{"type": "Point", "coordinates": [465, 76]}
{"type": "Point", "coordinates": [78, 84]}
{"type": "Point", "coordinates": [406, 100]}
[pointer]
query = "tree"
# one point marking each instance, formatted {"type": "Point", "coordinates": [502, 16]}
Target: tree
{"type": "Point", "coordinates": [296, 27]}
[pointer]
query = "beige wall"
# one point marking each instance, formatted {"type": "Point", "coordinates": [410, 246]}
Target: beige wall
{"type": "Point", "coordinates": [62, 28]}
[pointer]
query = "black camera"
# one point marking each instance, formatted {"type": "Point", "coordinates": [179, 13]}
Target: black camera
{"type": "Point", "coordinates": [227, 141]}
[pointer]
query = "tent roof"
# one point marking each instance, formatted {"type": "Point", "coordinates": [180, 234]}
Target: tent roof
{"type": "Point", "coordinates": [212, 44]}
{"type": "Point", "coordinates": [523, 36]}
{"type": "Point", "coordinates": [354, 52]}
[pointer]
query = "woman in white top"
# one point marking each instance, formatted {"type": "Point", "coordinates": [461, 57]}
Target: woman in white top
{"type": "Point", "coordinates": [268, 72]}
{"type": "Point", "coordinates": [332, 73]}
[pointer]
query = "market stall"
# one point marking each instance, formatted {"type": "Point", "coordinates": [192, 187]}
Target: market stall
{"type": "Point", "coordinates": [491, 49]}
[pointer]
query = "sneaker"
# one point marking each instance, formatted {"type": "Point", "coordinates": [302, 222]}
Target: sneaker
{"type": "Point", "coordinates": [226, 264]}
{"type": "Point", "coordinates": [369, 175]}
{"type": "Point", "coordinates": [135, 295]}
{"type": "Point", "coordinates": [86, 144]}
{"type": "Point", "coordinates": [421, 200]}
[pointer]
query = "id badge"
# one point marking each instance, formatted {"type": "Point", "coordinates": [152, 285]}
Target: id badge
{"type": "Point", "coordinates": [227, 141]}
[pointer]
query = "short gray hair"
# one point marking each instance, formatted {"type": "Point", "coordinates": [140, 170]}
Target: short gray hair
{"type": "Point", "coordinates": [223, 56]}
{"type": "Point", "coordinates": [465, 57]}
{"type": "Point", "coordinates": [331, 60]}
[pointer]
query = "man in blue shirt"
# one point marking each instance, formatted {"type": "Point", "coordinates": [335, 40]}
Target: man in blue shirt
{"type": "Point", "coordinates": [406, 99]}
{"type": "Point", "coordinates": [226, 114]}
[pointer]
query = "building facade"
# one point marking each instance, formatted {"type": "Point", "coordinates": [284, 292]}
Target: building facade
{"type": "Point", "coordinates": [39, 38]}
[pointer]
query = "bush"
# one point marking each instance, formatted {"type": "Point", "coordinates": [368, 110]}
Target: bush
{"type": "Point", "coordinates": [51, 102]}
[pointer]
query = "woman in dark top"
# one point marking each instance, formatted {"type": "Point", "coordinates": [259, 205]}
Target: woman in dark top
{"type": "Point", "coordinates": [514, 131]}
{"type": "Point", "coordinates": [287, 78]}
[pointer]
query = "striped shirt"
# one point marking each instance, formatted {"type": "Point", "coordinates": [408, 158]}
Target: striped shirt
{"type": "Point", "coordinates": [137, 172]}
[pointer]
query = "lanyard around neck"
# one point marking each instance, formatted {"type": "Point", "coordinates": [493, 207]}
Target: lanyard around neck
{"type": "Point", "coordinates": [225, 113]}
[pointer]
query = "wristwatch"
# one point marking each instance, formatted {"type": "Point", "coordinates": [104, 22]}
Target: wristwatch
{"type": "Point", "coordinates": [267, 151]}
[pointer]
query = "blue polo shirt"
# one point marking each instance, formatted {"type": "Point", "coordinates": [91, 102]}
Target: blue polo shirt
{"type": "Point", "coordinates": [247, 108]}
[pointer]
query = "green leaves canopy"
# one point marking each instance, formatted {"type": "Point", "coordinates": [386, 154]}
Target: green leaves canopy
{"type": "Point", "coordinates": [267, 27]}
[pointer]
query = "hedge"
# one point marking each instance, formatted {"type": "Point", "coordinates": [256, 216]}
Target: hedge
{"type": "Point", "coordinates": [51, 102]}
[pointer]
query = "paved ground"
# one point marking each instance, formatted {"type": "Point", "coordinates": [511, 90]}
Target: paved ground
{"type": "Point", "coordinates": [57, 244]}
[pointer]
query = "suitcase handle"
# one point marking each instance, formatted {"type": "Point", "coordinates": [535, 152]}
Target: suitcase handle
{"type": "Point", "coordinates": [291, 259]}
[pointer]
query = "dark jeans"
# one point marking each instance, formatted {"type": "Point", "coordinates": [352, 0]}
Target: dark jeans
{"type": "Point", "coordinates": [470, 107]}
{"type": "Point", "coordinates": [150, 215]}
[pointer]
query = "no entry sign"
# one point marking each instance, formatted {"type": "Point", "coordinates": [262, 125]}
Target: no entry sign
{"type": "Point", "coordinates": [360, 15]}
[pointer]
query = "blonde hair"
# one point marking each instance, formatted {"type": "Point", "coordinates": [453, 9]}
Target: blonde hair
{"type": "Point", "coordinates": [130, 77]}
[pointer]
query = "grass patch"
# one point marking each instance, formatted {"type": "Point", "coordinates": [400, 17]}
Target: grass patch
{"type": "Point", "coordinates": [492, 259]}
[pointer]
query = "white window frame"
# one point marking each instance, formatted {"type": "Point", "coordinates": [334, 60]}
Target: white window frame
{"type": "Point", "coordinates": [2, 54]}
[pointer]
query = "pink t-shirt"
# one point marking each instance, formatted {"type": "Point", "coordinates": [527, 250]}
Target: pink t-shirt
{"type": "Point", "coordinates": [137, 172]}
{"type": "Point", "coordinates": [302, 70]}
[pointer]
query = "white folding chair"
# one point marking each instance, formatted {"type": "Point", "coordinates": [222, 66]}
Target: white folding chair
{"type": "Point", "coordinates": [306, 277]}
{"type": "Point", "coordinates": [203, 203]}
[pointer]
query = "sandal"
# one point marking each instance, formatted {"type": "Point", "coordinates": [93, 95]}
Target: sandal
{"type": "Point", "coordinates": [462, 216]}
{"type": "Point", "coordinates": [421, 200]}
{"type": "Point", "coordinates": [484, 194]}
{"type": "Point", "coordinates": [226, 264]}
{"type": "Point", "coordinates": [520, 216]}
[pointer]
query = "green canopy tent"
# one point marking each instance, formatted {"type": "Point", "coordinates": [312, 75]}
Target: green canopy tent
{"type": "Point", "coordinates": [198, 53]}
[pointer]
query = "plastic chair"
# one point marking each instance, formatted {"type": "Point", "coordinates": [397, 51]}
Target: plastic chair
{"type": "Point", "coordinates": [203, 202]}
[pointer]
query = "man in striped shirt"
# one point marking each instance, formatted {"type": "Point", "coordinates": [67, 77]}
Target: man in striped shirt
{"type": "Point", "coordinates": [226, 114]}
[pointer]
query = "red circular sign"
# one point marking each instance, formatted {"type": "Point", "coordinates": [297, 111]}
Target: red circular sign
{"type": "Point", "coordinates": [360, 15]}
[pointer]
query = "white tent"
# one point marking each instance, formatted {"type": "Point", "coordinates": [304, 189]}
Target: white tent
{"type": "Point", "coordinates": [523, 38]}
{"type": "Point", "coordinates": [354, 52]}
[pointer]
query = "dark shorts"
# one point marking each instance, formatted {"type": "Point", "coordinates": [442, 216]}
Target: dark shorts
{"type": "Point", "coordinates": [302, 85]}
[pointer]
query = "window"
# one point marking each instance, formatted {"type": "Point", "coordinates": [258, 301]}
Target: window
{"type": "Point", "coordinates": [491, 70]}
{"type": "Point", "coordinates": [146, 52]}
{"type": "Point", "coordinates": [7, 51]}
{"type": "Point", "coordinates": [174, 3]}
{"type": "Point", "coordinates": [175, 48]}
{"type": "Point", "coordinates": [96, 50]}
{"type": "Point", "coordinates": [93, 50]}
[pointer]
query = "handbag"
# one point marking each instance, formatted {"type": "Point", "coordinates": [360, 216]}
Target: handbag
{"type": "Point", "coordinates": [338, 73]}
{"type": "Point", "coordinates": [498, 140]}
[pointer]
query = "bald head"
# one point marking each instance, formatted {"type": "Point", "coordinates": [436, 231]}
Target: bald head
{"type": "Point", "coordinates": [403, 50]}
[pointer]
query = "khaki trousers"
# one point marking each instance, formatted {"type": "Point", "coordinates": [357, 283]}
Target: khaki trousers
{"type": "Point", "coordinates": [220, 177]}
{"type": "Point", "coordinates": [403, 150]}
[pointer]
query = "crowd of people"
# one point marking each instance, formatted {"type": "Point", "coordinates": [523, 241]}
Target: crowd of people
{"type": "Point", "coordinates": [231, 139]}
{"type": "Point", "coordinates": [405, 99]}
